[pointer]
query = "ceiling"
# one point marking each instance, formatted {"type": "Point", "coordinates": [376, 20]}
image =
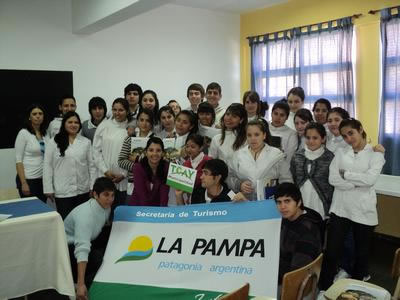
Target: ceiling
{"type": "Point", "coordinates": [233, 6]}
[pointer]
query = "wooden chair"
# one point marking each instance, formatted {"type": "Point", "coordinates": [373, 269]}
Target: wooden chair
{"type": "Point", "coordinates": [396, 274]}
{"type": "Point", "coordinates": [302, 282]}
{"type": "Point", "coordinates": [240, 294]}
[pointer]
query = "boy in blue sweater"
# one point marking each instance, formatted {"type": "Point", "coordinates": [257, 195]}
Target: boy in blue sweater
{"type": "Point", "coordinates": [85, 235]}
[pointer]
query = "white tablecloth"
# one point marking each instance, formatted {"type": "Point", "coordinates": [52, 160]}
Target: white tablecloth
{"type": "Point", "coordinates": [34, 255]}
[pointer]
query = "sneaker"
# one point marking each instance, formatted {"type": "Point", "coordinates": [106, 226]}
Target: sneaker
{"type": "Point", "coordinates": [321, 296]}
{"type": "Point", "coordinates": [367, 278]}
{"type": "Point", "coordinates": [341, 274]}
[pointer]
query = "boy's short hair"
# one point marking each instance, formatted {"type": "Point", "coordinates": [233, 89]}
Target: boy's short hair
{"type": "Point", "coordinates": [214, 86]}
{"type": "Point", "coordinates": [217, 167]}
{"type": "Point", "coordinates": [282, 104]}
{"type": "Point", "coordinates": [207, 108]}
{"type": "Point", "coordinates": [97, 102]}
{"type": "Point", "coordinates": [196, 87]}
{"type": "Point", "coordinates": [297, 91]}
{"type": "Point", "coordinates": [133, 87]}
{"type": "Point", "coordinates": [289, 189]}
{"type": "Point", "coordinates": [103, 184]}
{"type": "Point", "coordinates": [66, 97]}
{"type": "Point", "coordinates": [323, 101]}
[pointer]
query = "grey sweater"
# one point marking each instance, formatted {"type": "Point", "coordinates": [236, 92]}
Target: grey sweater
{"type": "Point", "coordinates": [318, 175]}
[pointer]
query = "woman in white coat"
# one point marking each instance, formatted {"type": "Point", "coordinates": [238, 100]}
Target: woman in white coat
{"type": "Point", "coordinates": [258, 165]}
{"type": "Point", "coordinates": [107, 144]}
{"type": "Point", "coordinates": [353, 172]}
{"type": "Point", "coordinates": [233, 135]}
{"type": "Point", "coordinates": [69, 171]}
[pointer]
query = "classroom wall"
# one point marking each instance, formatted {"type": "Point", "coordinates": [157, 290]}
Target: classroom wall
{"type": "Point", "coordinates": [303, 12]}
{"type": "Point", "coordinates": [165, 49]}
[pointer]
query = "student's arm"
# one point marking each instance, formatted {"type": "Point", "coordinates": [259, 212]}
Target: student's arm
{"type": "Point", "coordinates": [213, 150]}
{"type": "Point", "coordinates": [291, 146]}
{"type": "Point", "coordinates": [123, 158]}
{"type": "Point", "coordinates": [20, 144]}
{"type": "Point", "coordinates": [369, 177]}
{"type": "Point", "coordinates": [307, 248]}
{"type": "Point", "coordinates": [97, 150]}
{"type": "Point", "coordinates": [81, 290]}
{"type": "Point", "coordinates": [140, 182]}
{"type": "Point", "coordinates": [179, 197]}
{"type": "Point", "coordinates": [233, 180]}
{"type": "Point", "coordinates": [335, 178]}
{"type": "Point", "coordinates": [91, 165]}
{"type": "Point", "coordinates": [284, 172]}
{"type": "Point", "coordinates": [293, 169]}
{"type": "Point", "coordinates": [164, 192]}
{"type": "Point", "coordinates": [48, 171]}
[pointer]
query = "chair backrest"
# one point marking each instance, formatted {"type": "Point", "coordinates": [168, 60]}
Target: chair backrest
{"type": "Point", "coordinates": [396, 264]}
{"type": "Point", "coordinates": [301, 282]}
{"type": "Point", "coordinates": [240, 294]}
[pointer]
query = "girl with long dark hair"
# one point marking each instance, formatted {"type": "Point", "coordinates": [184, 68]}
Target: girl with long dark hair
{"type": "Point", "coordinates": [107, 145]}
{"type": "Point", "coordinates": [257, 163]}
{"type": "Point", "coordinates": [150, 175]}
{"type": "Point", "coordinates": [29, 153]}
{"type": "Point", "coordinates": [233, 135]}
{"type": "Point", "coordinates": [69, 171]}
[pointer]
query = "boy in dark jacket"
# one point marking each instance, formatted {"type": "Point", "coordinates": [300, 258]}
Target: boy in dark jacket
{"type": "Point", "coordinates": [301, 230]}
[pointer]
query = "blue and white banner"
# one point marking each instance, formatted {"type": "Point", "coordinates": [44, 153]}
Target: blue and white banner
{"type": "Point", "coordinates": [191, 252]}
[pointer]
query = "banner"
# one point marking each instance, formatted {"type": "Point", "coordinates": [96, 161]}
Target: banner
{"type": "Point", "coordinates": [190, 252]}
{"type": "Point", "coordinates": [181, 178]}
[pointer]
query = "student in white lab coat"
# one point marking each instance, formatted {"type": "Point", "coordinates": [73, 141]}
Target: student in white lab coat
{"type": "Point", "coordinates": [353, 172]}
{"type": "Point", "coordinates": [320, 110]}
{"type": "Point", "coordinates": [69, 171]}
{"type": "Point", "coordinates": [107, 144]}
{"type": "Point", "coordinates": [335, 116]}
{"type": "Point", "coordinates": [233, 135]}
{"type": "Point", "coordinates": [257, 163]}
{"type": "Point", "coordinates": [301, 119]}
{"type": "Point", "coordinates": [295, 100]}
{"type": "Point", "coordinates": [67, 103]}
{"type": "Point", "coordinates": [279, 115]}
{"type": "Point", "coordinates": [255, 108]}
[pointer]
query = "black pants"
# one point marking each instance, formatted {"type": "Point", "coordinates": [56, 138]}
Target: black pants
{"type": "Point", "coordinates": [338, 229]}
{"type": "Point", "coordinates": [95, 259]}
{"type": "Point", "coordinates": [119, 199]}
{"type": "Point", "coordinates": [66, 205]}
{"type": "Point", "coordinates": [35, 187]}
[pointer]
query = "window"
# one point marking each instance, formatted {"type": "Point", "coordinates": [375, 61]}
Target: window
{"type": "Point", "coordinates": [389, 129]}
{"type": "Point", "coordinates": [319, 60]}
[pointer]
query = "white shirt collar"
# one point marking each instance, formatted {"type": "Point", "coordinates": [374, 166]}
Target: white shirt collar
{"type": "Point", "coordinates": [91, 125]}
{"type": "Point", "coordinates": [195, 162]}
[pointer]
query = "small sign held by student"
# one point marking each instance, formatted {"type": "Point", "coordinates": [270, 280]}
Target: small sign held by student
{"type": "Point", "coordinates": [181, 178]}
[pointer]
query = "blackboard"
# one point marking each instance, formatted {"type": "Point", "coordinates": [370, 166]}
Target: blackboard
{"type": "Point", "coordinates": [21, 88]}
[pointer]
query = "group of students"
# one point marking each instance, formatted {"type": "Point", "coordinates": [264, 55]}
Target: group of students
{"type": "Point", "coordinates": [322, 157]}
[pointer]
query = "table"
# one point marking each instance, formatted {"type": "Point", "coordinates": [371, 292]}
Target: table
{"type": "Point", "coordinates": [33, 250]}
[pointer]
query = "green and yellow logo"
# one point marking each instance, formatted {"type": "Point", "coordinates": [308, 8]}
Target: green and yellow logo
{"type": "Point", "coordinates": [139, 249]}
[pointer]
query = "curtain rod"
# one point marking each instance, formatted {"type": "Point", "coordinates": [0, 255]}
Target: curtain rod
{"type": "Point", "coordinates": [374, 11]}
{"type": "Point", "coordinates": [355, 16]}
